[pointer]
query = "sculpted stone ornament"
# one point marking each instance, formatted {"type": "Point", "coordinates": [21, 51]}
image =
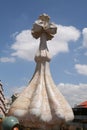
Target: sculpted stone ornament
{"type": "Point", "coordinates": [45, 30]}
{"type": "Point", "coordinates": [43, 25]}
{"type": "Point", "coordinates": [40, 104]}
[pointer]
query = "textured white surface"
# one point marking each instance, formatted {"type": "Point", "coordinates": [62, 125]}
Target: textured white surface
{"type": "Point", "coordinates": [41, 103]}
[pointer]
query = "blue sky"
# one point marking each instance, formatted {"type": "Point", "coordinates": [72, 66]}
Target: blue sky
{"type": "Point", "coordinates": [68, 48]}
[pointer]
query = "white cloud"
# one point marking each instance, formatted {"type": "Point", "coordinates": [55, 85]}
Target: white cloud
{"type": "Point", "coordinates": [74, 94]}
{"type": "Point", "coordinates": [64, 35]}
{"type": "Point", "coordinates": [81, 69]}
{"type": "Point", "coordinates": [14, 35]}
{"type": "Point", "coordinates": [7, 59]}
{"type": "Point", "coordinates": [10, 90]}
{"type": "Point", "coordinates": [68, 72]}
{"type": "Point", "coordinates": [84, 32]}
{"type": "Point", "coordinates": [25, 45]}
{"type": "Point", "coordinates": [76, 60]}
{"type": "Point", "coordinates": [17, 89]}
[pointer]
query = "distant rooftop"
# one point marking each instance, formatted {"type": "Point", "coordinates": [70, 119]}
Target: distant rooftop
{"type": "Point", "coordinates": [83, 104]}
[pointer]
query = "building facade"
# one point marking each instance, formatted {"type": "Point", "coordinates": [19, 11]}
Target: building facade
{"type": "Point", "coordinates": [80, 117]}
{"type": "Point", "coordinates": [2, 101]}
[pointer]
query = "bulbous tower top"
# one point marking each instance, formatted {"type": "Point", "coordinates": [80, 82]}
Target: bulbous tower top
{"type": "Point", "coordinates": [40, 104]}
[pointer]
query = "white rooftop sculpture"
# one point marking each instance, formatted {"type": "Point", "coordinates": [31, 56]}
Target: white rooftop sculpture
{"type": "Point", "coordinates": [41, 104]}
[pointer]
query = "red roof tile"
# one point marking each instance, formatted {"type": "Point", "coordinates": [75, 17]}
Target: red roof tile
{"type": "Point", "coordinates": [83, 104]}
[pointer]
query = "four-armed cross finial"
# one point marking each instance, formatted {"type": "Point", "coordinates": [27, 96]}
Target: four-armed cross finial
{"type": "Point", "coordinates": [43, 29]}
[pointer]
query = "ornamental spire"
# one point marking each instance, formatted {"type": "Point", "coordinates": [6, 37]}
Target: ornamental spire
{"type": "Point", "coordinates": [40, 104]}
{"type": "Point", "coordinates": [45, 30]}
